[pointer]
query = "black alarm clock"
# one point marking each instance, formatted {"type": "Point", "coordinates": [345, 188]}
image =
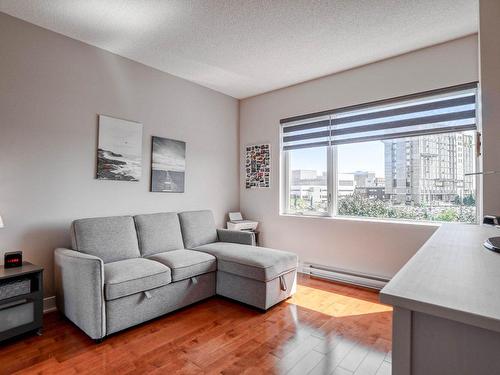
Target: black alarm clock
{"type": "Point", "coordinates": [13, 259]}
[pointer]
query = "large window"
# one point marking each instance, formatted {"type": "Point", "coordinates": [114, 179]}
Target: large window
{"type": "Point", "coordinates": [408, 159]}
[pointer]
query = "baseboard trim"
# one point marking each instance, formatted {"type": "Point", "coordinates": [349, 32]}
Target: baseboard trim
{"type": "Point", "coordinates": [49, 304]}
{"type": "Point", "coordinates": [344, 276]}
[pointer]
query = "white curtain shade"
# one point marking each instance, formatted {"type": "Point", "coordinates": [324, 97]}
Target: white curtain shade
{"type": "Point", "coordinates": [1, 222]}
{"type": "Point", "coordinates": [442, 111]}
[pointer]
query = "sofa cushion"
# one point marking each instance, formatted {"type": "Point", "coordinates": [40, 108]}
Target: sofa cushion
{"type": "Point", "coordinates": [254, 262]}
{"type": "Point", "coordinates": [131, 276]}
{"type": "Point", "coordinates": [198, 228]}
{"type": "Point", "coordinates": [109, 238]}
{"type": "Point", "coordinates": [158, 233]}
{"type": "Point", "coordinates": [186, 263]}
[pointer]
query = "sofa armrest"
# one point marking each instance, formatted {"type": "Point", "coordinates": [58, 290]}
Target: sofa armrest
{"type": "Point", "coordinates": [236, 236]}
{"type": "Point", "coordinates": [79, 281]}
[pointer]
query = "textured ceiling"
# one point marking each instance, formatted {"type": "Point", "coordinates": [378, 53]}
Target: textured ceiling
{"type": "Point", "coordinates": [247, 47]}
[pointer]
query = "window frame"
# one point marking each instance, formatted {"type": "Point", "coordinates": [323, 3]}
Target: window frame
{"type": "Point", "coordinates": [285, 184]}
{"type": "Point", "coordinates": [332, 163]}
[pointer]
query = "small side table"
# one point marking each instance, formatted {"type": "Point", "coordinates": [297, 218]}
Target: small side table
{"type": "Point", "coordinates": [21, 300]}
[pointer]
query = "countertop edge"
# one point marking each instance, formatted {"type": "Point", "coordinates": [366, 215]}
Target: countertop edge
{"type": "Point", "coordinates": [465, 317]}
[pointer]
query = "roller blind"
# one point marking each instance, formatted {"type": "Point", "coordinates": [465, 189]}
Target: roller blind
{"type": "Point", "coordinates": [440, 111]}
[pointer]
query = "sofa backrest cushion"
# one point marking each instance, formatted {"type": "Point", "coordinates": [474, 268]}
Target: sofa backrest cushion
{"type": "Point", "coordinates": [198, 228]}
{"type": "Point", "coordinates": [158, 233]}
{"type": "Point", "coordinates": [109, 238]}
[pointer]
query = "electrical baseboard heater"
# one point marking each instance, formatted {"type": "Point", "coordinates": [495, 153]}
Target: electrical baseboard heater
{"type": "Point", "coordinates": [345, 276]}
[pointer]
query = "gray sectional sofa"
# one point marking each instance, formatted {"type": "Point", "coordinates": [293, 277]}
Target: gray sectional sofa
{"type": "Point", "coordinates": [126, 270]}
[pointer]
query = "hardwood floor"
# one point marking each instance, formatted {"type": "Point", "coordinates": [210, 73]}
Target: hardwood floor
{"type": "Point", "coordinates": [326, 328]}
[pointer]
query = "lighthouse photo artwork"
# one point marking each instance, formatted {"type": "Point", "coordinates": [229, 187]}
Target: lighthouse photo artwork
{"type": "Point", "coordinates": [168, 165]}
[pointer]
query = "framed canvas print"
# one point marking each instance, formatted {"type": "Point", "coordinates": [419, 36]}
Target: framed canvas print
{"type": "Point", "coordinates": [168, 165]}
{"type": "Point", "coordinates": [119, 151]}
{"type": "Point", "coordinates": [258, 166]}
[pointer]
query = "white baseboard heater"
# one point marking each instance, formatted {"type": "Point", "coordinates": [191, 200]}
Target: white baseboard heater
{"type": "Point", "coordinates": [345, 276]}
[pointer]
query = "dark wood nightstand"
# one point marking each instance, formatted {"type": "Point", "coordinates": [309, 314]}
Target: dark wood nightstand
{"type": "Point", "coordinates": [21, 300]}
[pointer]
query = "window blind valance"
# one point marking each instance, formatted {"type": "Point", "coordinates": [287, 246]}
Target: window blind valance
{"type": "Point", "coordinates": [442, 111]}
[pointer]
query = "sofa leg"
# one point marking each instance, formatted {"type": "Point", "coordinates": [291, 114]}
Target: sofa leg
{"type": "Point", "coordinates": [98, 341]}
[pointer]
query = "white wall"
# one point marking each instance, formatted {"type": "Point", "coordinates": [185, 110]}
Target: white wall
{"type": "Point", "coordinates": [489, 37]}
{"type": "Point", "coordinates": [373, 247]}
{"type": "Point", "coordinates": [51, 90]}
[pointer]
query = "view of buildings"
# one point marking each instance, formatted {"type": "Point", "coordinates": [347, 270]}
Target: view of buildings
{"type": "Point", "coordinates": [425, 178]}
{"type": "Point", "coordinates": [429, 169]}
{"type": "Point", "coordinates": [308, 190]}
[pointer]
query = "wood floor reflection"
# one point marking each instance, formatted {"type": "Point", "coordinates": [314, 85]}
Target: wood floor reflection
{"type": "Point", "coordinates": [326, 328]}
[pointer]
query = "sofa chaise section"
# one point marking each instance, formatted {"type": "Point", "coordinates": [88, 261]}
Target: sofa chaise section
{"type": "Point", "coordinates": [259, 263]}
{"type": "Point", "coordinates": [257, 276]}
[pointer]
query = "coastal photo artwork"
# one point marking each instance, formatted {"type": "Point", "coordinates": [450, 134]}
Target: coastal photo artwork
{"type": "Point", "coordinates": [168, 165]}
{"type": "Point", "coordinates": [257, 166]}
{"type": "Point", "coordinates": [119, 151]}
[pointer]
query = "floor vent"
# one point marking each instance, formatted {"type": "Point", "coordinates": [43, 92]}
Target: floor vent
{"type": "Point", "coordinates": [345, 276]}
